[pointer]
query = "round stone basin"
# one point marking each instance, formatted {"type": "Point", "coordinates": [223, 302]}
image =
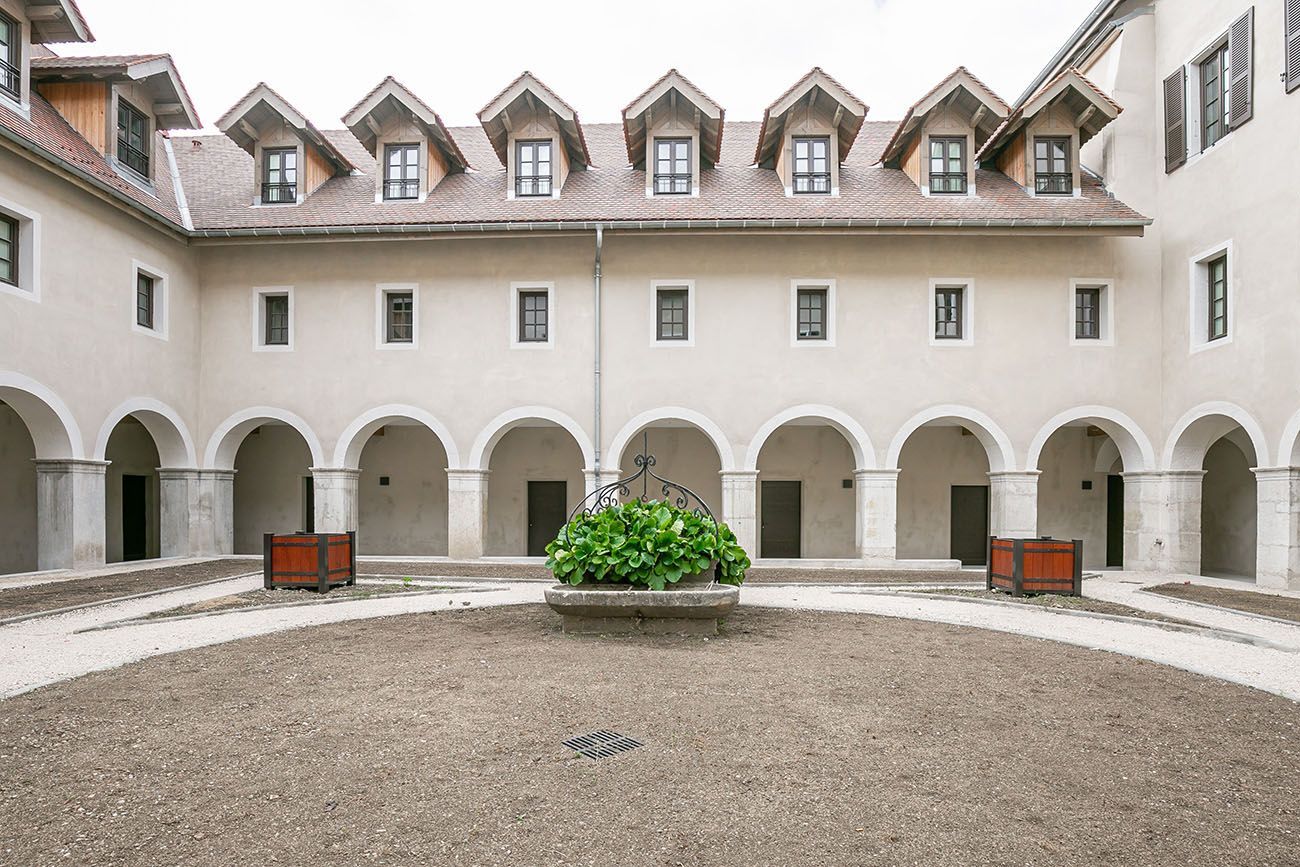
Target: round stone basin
{"type": "Point", "coordinates": [691, 609]}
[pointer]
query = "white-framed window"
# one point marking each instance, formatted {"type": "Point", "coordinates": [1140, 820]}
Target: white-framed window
{"type": "Point", "coordinates": [397, 315]}
{"type": "Point", "coordinates": [1092, 311]}
{"type": "Point", "coordinates": [273, 319]}
{"type": "Point", "coordinates": [812, 312]}
{"type": "Point", "coordinates": [532, 315]}
{"type": "Point", "coordinates": [951, 302]}
{"type": "Point", "coordinates": [672, 313]}
{"type": "Point", "coordinates": [20, 244]}
{"type": "Point", "coordinates": [149, 300]}
{"type": "Point", "coordinates": [1212, 296]}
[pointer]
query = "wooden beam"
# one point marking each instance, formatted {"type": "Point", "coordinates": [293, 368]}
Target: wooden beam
{"type": "Point", "coordinates": [1087, 113]}
{"type": "Point", "coordinates": [839, 113]}
{"type": "Point", "coordinates": [168, 108]}
{"type": "Point", "coordinates": [505, 120]}
{"type": "Point", "coordinates": [44, 13]}
{"type": "Point", "coordinates": [247, 129]}
{"type": "Point", "coordinates": [978, 115]}
{"type": "Point", "coordinates": [372, 125]}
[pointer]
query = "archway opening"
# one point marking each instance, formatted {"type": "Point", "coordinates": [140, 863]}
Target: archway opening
{"type": "Point", "coordinates": [943, 495]}
{"type": "Point", "coordinates": [1229, 508]}
{"type": "Point", "coordinates": [1081, 492]}
{"type": "Point", "coordinates": [273, 487]}
{"type": "Point", "coordinates": [806, 503]}
{"type": "Point", "coordinates": [402, 494]}
{"type": "Point", "coordinates": [683, 454]}
{"type": "Point", "coordinates": [132, 505]}
{"type": "Point", "coordinates": [535, 479]}
{"type": "Point", "coordinates": [18, 523]}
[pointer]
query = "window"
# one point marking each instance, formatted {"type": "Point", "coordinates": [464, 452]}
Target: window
{"type": "Point", "coordinates": [1087, 313]}
{"type": "Point", "coordinates": [273, 319]}
{"type": "Point", "coordinates": [534, 316]}
{"type": "Point", "coordinates": [279, 176]}
{"type": "Point", "coordinates": [277, 320]}
{"type": "Point", "coordinates": [1217, 297]}
{"type": "Point", "coordinates": [948, 165]}
{"type": "Point", "coordinates": [399, 317]}
{"type": "Point", "coordinates": [1091, 312]}
{"type": "Point", "coordinates": [144, 300]}
{"type": "Point", "coordinates": [672, 174]}
{"type": "Point", "coordinates": [11, 46]}
{"type": "Point", "coordinates": [811, 321]}
{"type": "Point", "coordinates": [132, 138]}
{"type": "Point", "coordinates": [402, 171]}
{"type": "Point", "coordinates": [149, 300]}
{"type": "Point", "coordinates": [672, 308]}
{"type": "Point", "coordinates": [812, 165]}
{"type": "Point", "coordinates": [8, 250]}
{"type": "Point", "coordinates": [1052, 166]}
{"type": "Point", "coordinates": [1214, 96]}
{"type": "Point", "coordinates": [533, 168]}
{"type": "Point", "coordinates": [949, 312]}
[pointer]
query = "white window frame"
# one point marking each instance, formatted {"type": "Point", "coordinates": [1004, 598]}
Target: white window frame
{"type": "Point", "coordinates": [831, 311]}
{"type": "Point", "coordinates": [689, 286]}
{"type": "Point", "coordinates": [29, 246]}
{"type": "Point", "coordinates": [1105, 313]}
{"type": "Point", "coordinates": [1193, 99]}
{"type": "Point", "coordinates": [967, 285]}
{"type": "Point", "coordinates": [260, 294]}
{"type": "Point", "coordinates": [1198, 302]}
{"type": "Point", "coordinates": [161, 299]}
{"type": "Point", "coordinates": [382, 291]}
{"type": "Point", "coordinates": [515, 311]}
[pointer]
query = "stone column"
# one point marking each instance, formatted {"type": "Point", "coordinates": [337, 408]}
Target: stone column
{"type": "Point", "coordinates": [336, 498]}
{"type": "Point", "coordinates": [467, 492]}
{"type": "Point", "coordinates": [197, 511]}
{"type": "Point", "coordinates": [876, 492]}
{"type": "Point", "coordinates": [1013, 504]}
{"type": "Point", "coordinates": [1277, 491]}
{"type": "Point", "coordinates": [740, 507]}
{"type": "Point", "coordinates": [70, 511]}
{"type": "Point", "coordinates": [593, 480]}
{"type": "Point", "coordinates": [1162, 521]}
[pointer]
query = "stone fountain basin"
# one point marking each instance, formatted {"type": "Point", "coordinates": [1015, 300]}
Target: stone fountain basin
{"type": "Point", "coordinates": [684, 609]}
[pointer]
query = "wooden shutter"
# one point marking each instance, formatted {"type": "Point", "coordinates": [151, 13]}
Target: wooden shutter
{"type": "Point", "coordinates": [1292, 76]}
{"type": "Point", "coordinates": [1176, 119]}
{"type": "Point", "coordinates": [1241, 61]}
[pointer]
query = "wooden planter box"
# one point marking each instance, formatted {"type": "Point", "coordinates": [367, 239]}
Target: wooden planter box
{"type": "Point", "coordinates": [309, 560]}
{"type": "Point", "coordinates": [1021, 566]}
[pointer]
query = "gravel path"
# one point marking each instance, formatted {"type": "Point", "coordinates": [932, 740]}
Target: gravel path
{"type": "Point", "coordinates": [794, 739]}
{"type": "Point", "coordinates": [1058, 603]}
{"type": "Point", "coordinates": [1251, 602]}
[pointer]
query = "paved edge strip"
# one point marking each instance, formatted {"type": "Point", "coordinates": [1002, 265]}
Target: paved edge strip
{"type": "Point", "coordinates": [1223, 609]}
{"type": "Point", "coordinates": [50, 612]}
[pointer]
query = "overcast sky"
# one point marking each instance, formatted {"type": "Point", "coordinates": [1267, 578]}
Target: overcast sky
{"type": "Point", "coordinates": [324, 55]}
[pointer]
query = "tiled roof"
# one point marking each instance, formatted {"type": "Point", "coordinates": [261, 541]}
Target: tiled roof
{"type": "Point", "coordinates": [901, 127]}
{"type": "Point", "coordinates": [93, 61]}
{"type": "Point", "coordinates": [218, 181]}
{"type": "Point", "coordinates": [997, 139]}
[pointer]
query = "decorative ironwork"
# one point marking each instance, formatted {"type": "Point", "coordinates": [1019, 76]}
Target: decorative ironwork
{"type": "Point", "coordinates": [613, 493]}
{"type": "Point", "coordinates": [275, 194]}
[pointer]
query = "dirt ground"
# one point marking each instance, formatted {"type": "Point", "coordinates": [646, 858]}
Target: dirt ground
{"type": "Point", "coordinates": [281, 596]}
{"type": "Point", "coordinates": [1063, 603]}
{"type": "Point", "coordinates": [1286, 607]}
{"type": "Point", "coordinates": [793, 739]}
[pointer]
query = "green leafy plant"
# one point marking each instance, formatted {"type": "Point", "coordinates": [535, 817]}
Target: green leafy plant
{"type": "Point", "coordinates": [653, 544]}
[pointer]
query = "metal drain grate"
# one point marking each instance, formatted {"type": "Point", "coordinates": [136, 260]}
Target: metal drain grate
{"type": "Point", "coordinates": [602, 744]}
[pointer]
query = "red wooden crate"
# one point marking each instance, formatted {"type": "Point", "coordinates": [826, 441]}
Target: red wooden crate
{"type": "Point", "coordinates": [319, 560]}
{"type": "Point", "coordinates": [1021, 566]}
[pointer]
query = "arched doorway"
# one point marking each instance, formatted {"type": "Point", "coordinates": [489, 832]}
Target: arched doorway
{"type": "Point", "coordinates": [18, 548]}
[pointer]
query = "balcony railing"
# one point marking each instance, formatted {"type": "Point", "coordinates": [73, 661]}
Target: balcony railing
{"type": "Point", "coordinates": [673, 185]}
{"type": "Point", "coordinates": [402, 189]}
{"type": "Point", "coordinates": [947, 183]}
{"type": "Point", "coordinates": [532, 185]}
{"type": "Point", "coordinates": [1056, 184]}
{"type": "Point", "coordinates": [277, 194]}
{"type": "Point", "coordinates": [10, 79]}
{"type": "Point", "coordinates": [133, 158]}
{"type": "Point", "coordinates": [812, 182]}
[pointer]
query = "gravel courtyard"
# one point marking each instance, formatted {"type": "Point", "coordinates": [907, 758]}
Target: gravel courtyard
{"type": "Point", "coordinates": [793, 739]}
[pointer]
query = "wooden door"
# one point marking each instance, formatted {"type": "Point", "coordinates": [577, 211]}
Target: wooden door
{"type": "Point", "coordinates": [781, 519]}
{"type": "Point", "coordinates": [1115, 521]}
{"type": "Point", "coordinates": [547, 509]}
{"type": "Point", "coordinates": [135, 517]}
{"type": "Point", "coordinates": [969, 535]}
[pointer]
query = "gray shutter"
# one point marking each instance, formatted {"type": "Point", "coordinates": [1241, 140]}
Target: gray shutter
{"type": "Point", "coordinates": [1292, 76]}
{"type": "Point", "coordinates": [1176, 119]}
{"type": "Point", "coordinates": [1241, 61]}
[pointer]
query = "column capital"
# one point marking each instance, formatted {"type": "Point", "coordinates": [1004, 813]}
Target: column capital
{"type": "Point", "coordinates": [334, 472]}
{"type": "Point", "coordinates": [1015, 475]}
{"type": "Point", "coordinates": [193, 473]}
{"type": "Point", "coordinates": [473, 476]}
{"type": "Point", "coordinates": [738, 474]}
{"type": "Point", "coordinates": [1280, 473]}
{"type": "Point", "coordinates": [1140, 475]}
{"type": "Point", "coordinates": [882, 475]}
{"type": "Point", "coordinates": [70, 465]}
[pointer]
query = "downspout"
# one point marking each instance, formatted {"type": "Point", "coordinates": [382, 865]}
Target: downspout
{"type": "Point", "coordinates": [600, 240]}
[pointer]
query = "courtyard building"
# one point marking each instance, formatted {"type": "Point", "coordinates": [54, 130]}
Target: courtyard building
{"type": "Point", "coordinates": [1068, 313]}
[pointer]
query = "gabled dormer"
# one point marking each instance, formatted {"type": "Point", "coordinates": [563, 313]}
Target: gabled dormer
{"type": "Point", "coordinates": [673, 130]}
{"type": "Point", "coordinates": [117, 103]}
{"type": "Point", "coordinates": [808, 132]}
{"type": "Point", "coordinates": [537, 137]}
{"type": "Point", "coordinates": [24, 28]}
{"type": "Point", "coordinates": [936, 141]}
{"type": "Point", "coordinates": [1037, 146]}
{"type": "Point", "coordinates": [291, 157]}
{"type": "Point", "coordinates": [413, 148]}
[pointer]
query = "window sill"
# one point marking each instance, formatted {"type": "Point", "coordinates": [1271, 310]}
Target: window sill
{"type": "Point", "coordinates": [386, 345]}
{"type": "Point", "coordinates": [952, 342]}
{"type": "Point", "coordinates": [1210, 344]}
{"type": "Point", "coordinates": [18, 291]}
{"type": "Point", "coordinates": [151, 332]}
{"type": "Point", "coordinates": [272, 347]}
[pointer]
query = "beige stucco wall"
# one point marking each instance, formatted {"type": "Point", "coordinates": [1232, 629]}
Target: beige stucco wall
{"type": "Point", "coordinates": [933, 460]}
{"type": "Point", "coordinates": [1228, 522]}
{"type": "Point", "coordinates": [132, 452]}
{"type": "Point", "coordinates": [17, 495]}
{"type": "Point", "coordinates": [1065, 509]}
{"type": "Point", "coordinates": [270, 470]}
{"type": "Point", "coordinates": [409, 515]}
{"type": "Point", "coordinates": [819, 459]}
{"type": "Point", "coordinates": [540, 454]}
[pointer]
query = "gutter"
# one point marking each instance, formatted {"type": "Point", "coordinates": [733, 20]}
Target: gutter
{"type": "Point", "coordinates": [600, 241]}
{"type": "Point", "coordinates": [1097, 13]}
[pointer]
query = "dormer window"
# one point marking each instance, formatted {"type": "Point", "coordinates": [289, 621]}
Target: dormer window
{"type": "Point", "coordinates": [812, 166]}
{"type": "Point", "coordinates": [533, 168]}
{"type": "Point", "coordinates": [402, 171]}
{"type": "Point", "coordinates": [672, 166]}
{"type": "Point", "coordinates": [948, 165]}
{"type": "Point", "coordinates": [11, 46]}
{"type": "Point", "coordinates": [132, 138]}
{"type": "Point", "coordinates": [1052, 174]}
{"type": "Point", "coordinates": [279, 176]}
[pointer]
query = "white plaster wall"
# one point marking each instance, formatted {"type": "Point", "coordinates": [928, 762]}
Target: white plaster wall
{"type": "Point", "coordinates": [542, 454]}
{"type": "Point", "coordinates": [131, 451]}
{"type": "Point", "coordinates": [269, 471]}
{"type": "Point", "coordinates": [17, 495]}
{"type": "Point", "coordinates": [683, 455]}
{"type": "Point", "coordinates": [820, 458]}
{"type": "Point", "coordinates": [1228, 520]}
{"type": "Point", "coordinates": [1065, 510]}
{"type": "Point", "coordinates": [932, 461]}
{"type": "Point", "coordinates": [409, 516]}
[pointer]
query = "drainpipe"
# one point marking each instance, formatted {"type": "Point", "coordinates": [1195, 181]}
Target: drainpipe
{"type": "Point", "coordinates": [600, 239]}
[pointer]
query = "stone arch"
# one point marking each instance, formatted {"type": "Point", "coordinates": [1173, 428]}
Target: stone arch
{"type": "Point", "coordinates": [997, 444]}
{"type": "Point", "coordinates": [170, 434]}
{"type": "Point", "coordinates": [481, 453]}
{"type": "Point", "coordinates": [1107, 455]}
{"type": "Point", "coordinates": [1202, 426]}
{"type": "Point", "coordinates": [51, 424]}
{"type": "Point", "coordinates": [1288, 448]}
{"type": "Point", "coordinates": [864, 454]}
{"type": "Point", "coordinates": [726, 458]}
{"type": "Point", "coordinates": [1133, 444]}
{"type": "Point", "coordinates": [347, 452]}
{"type": "Point", "coordinates": [225, 442]}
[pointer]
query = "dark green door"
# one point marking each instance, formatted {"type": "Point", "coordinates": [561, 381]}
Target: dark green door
{"type": "Point", "coordinates": [781, 517]}
{"type": "Point", "coordinates": [970, 524]}
{"type": "Point", "coordinates": [1115, 521]}
{"type": "Point", "coordinates": [135, 518]}
{"type": "Point", "coordinates": [547, 509]}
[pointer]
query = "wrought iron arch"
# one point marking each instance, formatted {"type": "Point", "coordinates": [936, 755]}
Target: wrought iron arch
{"type": "Point", "coordinates": [612, 494]}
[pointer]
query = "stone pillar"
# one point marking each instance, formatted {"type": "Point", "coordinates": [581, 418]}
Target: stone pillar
{"type": "Point", "coordinates": [467, 492]}
{"type": "Point", "coordinates": [70, 511]}
{"type": "Point", "coordinates": [740, 507]}
{"type": "Point", "coordinates": [336, 498]}
{"type": "Point", "coordinates": [1013, 504]}
{"type": "Point", "coordinates": [197, 509]}
{"type": "Point", "coordinates": [593, 480]}
{"type": "Point", "coordinates": [1162, 521]}
{"type": "Point", "coordinates": [1277, 491]}
{"type": "Point", "coordinates": [876, 492]}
